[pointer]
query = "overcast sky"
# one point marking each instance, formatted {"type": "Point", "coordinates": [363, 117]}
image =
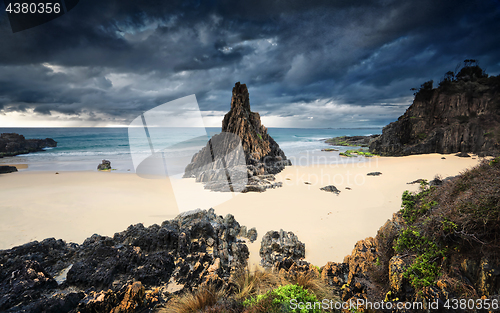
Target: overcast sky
{"type": "Point", "coordinates": [346, 63]}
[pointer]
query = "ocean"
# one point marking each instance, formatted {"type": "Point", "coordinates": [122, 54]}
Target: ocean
{"type": "Point", "coordinates": [82, 149]}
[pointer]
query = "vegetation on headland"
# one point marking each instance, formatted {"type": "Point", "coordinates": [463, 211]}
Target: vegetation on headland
{"type": "Point", "coordinates": [448, 234]}
{"type": "Point", "coordinates": [257, 292]}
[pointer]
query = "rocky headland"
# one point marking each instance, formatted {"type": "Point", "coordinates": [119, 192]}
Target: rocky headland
{"type": "Point", "coordinates": [243, 157]}
{"type": "Point", "coordinates": [442, 245]}
{"type": "Point", "coordinates": [351, 141]}
{"type": "Point", "coordinates": [461, 115]}
{"type": "Point", "coordinates": [12, 144]}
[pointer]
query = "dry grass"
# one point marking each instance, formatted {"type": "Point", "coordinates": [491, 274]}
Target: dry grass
{"type": "Point", "coordinates": [469, 210]}
{"type": "Point", "coordinates": [201, 299]}
{"type": "Point", "coordinates": [253, 283]}
{"type": "Point", "coordinates": [312, 283]}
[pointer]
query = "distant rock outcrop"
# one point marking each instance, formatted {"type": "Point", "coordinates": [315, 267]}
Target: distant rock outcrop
{"type": "Point", "coordinates": [224, 167]}
{"type": "Point", "coordinates": [461, 115]}
{"type": "Point", "coordinates": [350, 141]}
{"type": "Point", "coordinates": [13, 144]}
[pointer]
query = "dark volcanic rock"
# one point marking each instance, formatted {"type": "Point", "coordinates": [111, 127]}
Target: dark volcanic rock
{"type": "Point", "coordinates": [13, 144]}
{"type": "Point", "coordinates": [277, 246]}
{"type": "Point", "coordinates": [374, 174]}
{"type": "Point", "coordinates": [418, 181]}
{"type": "Point", "coordinates": [459, 116]}
{"type": "Point", "coordinates": [104, 166]}
{"type": "Point", "coordinates": [139, 267]}
{"type": "Point", "coordinates": [7, 169]}
{"type": "Point", "coordinates": [243, 157]}
{"type": "Point", "coordinates": [27, 280]}
{"type": "Point", "coordinates": [331, 188]}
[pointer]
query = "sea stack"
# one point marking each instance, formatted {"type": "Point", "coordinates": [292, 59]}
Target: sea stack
{"type": "Point", "coordinates": [261, 159]}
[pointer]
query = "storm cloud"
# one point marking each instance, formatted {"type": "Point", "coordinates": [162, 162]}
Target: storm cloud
{"type": "Point", "coordinates": [307, 64]}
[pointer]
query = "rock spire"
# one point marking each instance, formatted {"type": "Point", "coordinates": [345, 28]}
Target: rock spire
{"type": "Point", "coordinates": [224, 161]}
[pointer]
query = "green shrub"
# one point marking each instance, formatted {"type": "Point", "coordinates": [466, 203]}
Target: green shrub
{"type": "Point", "coordinates": [495, 161]}
{"type": "Point", "coordinates": [279, 300]}
{"type": "Point", "coordinates": [424, 269]}
{"type": "Point", "coordinates": [415, 205]}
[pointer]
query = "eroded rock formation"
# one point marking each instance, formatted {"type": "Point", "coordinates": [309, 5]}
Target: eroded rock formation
{"type": "Point", "coordinates": [243, 157]}
{"type": "Point", "coordinates": [13, 144]}
{"type": "Point", "coordinates": [277, 246]}
{"type": "Point", "coordinates": [138, 268]}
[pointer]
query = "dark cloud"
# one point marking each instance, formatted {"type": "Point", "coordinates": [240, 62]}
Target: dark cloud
{"type": "Point", "coordinates": [347, 62]}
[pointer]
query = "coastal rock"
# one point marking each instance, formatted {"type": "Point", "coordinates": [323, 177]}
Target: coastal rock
{"type": "Point", "coordinates": [13, 144]}
{"type": "Point", "coordinates": [461, 115]}
{"type": "Point", "coordinates": [279, 245]}
{"type": "Point", "coordinates": [27, 280]}
{"type": "Point", "coordinates": [335, 274]}
{"type": "Point", "coordinates": [418, 181]}
{"type": "Point", "coordinates": [223, 166]}
{"type": "Point", "coordinates": [293, 270]}
{"type": "Point", "coordinates": [374, 174]}
{"type": "Point", "coordinates": [398, 284]}
{"type": "Point", "coordinates": [331, 188]}
{"type": "Point", "coordinates": [7, 169]}
{"type": "Point", "coordinates": [104, 166]}
{"type": "Point", "coordinates": [137, 268]}
{"type": "Point", "coordinates": [350, 141]}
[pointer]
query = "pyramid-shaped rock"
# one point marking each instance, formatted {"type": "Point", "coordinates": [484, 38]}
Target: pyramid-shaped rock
{"type": "Point", "coordinates": [252, 164]}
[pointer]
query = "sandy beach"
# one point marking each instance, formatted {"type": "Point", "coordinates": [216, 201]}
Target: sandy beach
{"type": "Point", "coordinates": [74, 205]}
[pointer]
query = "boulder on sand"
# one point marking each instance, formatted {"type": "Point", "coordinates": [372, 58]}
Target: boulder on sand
{"type": "Point", "coordinates": [104, 166]}
{"type": "Point", "coordinates": [7, 169]}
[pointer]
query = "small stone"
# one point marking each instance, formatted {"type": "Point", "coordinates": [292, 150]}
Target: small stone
{"type": "Point", "coordinates": [374, 174]}
{"type": "Point", "coordinates": [331, 188]}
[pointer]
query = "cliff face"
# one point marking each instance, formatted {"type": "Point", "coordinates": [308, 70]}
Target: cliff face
{"type": "Point", "coordinates": [460, 116]}
{"type": "Point", "coordinates": [220, 161]}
